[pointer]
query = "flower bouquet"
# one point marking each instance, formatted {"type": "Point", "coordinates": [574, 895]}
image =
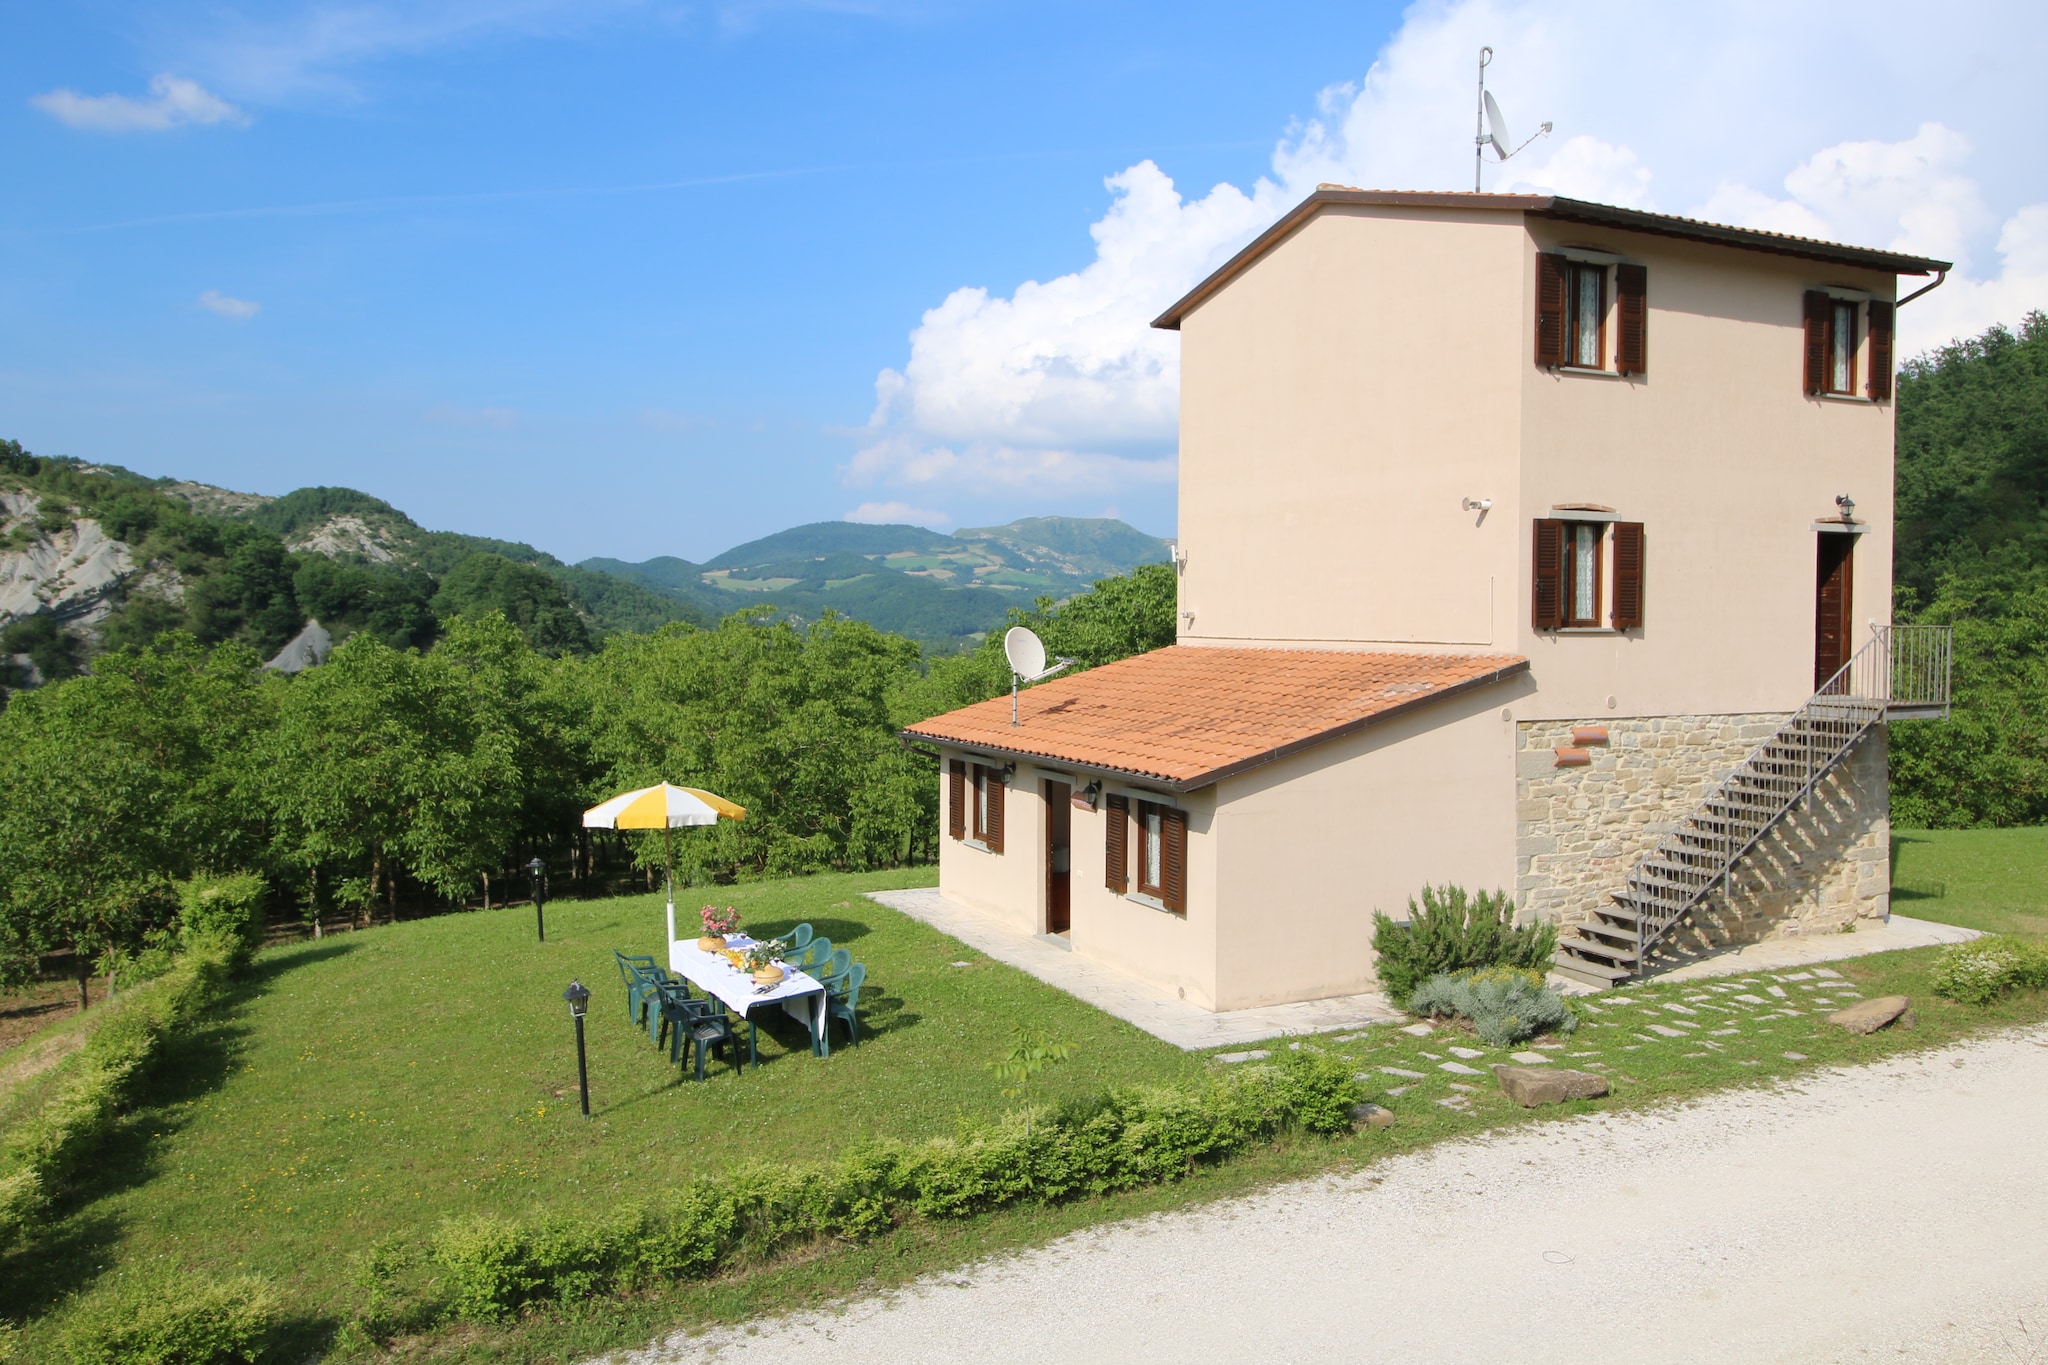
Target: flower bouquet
{"type": "Point", "coordinates": [761, 960]}
{"type": "Point", "coordinates": [717, 924]}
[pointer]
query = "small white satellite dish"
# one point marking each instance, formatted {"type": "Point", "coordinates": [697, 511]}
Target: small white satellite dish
{"type": "Point", "coordinates": [1025, 651]}
{"type": "Point", "coordinates": [1497, 128]}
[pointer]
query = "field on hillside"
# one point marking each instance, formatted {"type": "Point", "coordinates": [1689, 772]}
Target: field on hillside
{"type": "Point", "coordinates": [370, 1084]}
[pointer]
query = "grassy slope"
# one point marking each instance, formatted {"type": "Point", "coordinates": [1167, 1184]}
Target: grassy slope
{"type": "Point", "coordinates": [370, 1084]}
{"type": "Point", "coordinates": [1991, 879]}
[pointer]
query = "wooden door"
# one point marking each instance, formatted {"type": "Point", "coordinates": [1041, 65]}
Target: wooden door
{"type": "Point", "coordinates": [1059, 818]}
{"type": "Point", "coordinates": [1833, 605]}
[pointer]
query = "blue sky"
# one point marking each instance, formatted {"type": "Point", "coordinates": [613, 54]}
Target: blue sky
{"type": "Point", "coordinates": [635, 279]}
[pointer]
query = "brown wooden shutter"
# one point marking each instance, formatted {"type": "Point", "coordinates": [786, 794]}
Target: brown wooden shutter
{"type": "Point", "coordinates": [1173, 859]}
{"type": "Point", "coordinates": [993, 835]}
{"type": "Point", "coordinates": [1551, 275]}
{"type": "Point", "coordinates": [1880, 349]}
{"type": "Point", "coordinates": [1628, 575]}
{"type": "Point", "coordinates": [1116, 843]}
{"type": "Point", "coordinates": [1632, 319]}
{"type": "Point", "coordinates": [1546, 592]}
{"type": "Point", "coordinates": [1819, 313]}
{"type": "Point", "coordinates": [956, 799]}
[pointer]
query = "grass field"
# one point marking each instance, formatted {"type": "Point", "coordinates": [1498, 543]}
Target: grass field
{"type": "Point", "coordinates": [369, 1085]}
{"type": "Point", "coordinates": [1990, 879]}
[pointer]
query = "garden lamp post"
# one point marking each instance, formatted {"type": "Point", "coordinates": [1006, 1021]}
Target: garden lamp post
{"type": "Point", "coordinates": [534, 870]}
{"type": "Point", "coordinates": [578, 996]}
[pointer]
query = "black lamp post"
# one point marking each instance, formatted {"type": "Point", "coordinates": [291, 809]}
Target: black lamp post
{"type": "Point", "coordinates": [578, 996]}
{"type": "Point", "coordinates": [534, 870]}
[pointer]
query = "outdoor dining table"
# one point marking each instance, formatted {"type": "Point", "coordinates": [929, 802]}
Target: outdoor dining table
{"type": "Point", "coordinates": [800, 995]}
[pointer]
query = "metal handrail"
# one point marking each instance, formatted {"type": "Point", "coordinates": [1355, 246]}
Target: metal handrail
{"type": "Point", "coordinates": [1901, 667]}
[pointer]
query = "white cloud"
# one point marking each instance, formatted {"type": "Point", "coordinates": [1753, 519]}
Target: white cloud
{"type": "Point", "coordinates": [1062, 386]}
{"type": "Point", "coordinates": [173, 102]}
{"type": "Point", "coordinates": [241, 310]}
{"type": "Point", "coordinates": [899, 514]}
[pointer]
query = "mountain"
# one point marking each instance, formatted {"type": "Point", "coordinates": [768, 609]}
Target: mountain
{"type": "Point", "coordinates": [944, 591]}
{"type": "Point", "coordinates": [96, 556]}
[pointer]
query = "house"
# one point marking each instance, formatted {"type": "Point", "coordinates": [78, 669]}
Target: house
{"type": "Point", "coordinates": [1524, 543]}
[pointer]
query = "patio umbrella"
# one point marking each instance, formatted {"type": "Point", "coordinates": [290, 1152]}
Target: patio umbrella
{"type": "Point", "coordinates": [667, 809]}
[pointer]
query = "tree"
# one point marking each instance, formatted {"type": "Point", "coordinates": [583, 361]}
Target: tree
{"type": "Point", "coordinates": [528, 597]}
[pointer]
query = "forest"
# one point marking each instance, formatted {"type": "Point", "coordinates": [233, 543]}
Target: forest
{"type": "Point", "coordinates": [395, 780]}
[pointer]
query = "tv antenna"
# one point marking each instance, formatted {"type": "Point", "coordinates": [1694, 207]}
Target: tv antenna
{"type": "Point", "coordinates": [1026, 653]}
{"type": "Point", "coordinates": [1490, 129]}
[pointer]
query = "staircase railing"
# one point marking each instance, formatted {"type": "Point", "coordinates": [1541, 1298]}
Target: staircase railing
{"type": "Point", "coordinates": [1902, 669]}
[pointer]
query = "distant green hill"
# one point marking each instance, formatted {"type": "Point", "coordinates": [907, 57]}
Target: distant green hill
{"type": "Point", "coordinates": [944, 591]}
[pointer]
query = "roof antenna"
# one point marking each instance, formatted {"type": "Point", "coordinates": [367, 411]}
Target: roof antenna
{"type": "Point", "coordinates": [1489, 128]}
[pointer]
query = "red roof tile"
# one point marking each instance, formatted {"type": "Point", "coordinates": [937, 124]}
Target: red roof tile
{"type": "Point", "coordinates": [1190, 715]}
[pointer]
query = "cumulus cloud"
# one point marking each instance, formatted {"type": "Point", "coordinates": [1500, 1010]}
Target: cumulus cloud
{"type": "Point", "coordinates": [241, 310]}
{"type": "Point", "coordinates": [1062, 387]}
{"type": "Point", "coordinates": [899, 514]}
{"type": "Point", "coordinates": [172, 102]}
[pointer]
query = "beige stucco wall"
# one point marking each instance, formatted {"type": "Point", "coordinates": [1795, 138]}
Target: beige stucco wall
{"type": "Point", "coordinates": [1725, 462]}
{"type": "Point", "coordinates": [1309, 847]}
{"type": "Point", "coordinates": [1338, 399]}
{"type": "Point", "coordinates": [1345, 393]}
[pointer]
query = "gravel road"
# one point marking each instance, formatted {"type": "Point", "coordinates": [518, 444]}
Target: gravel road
{"type": "Point", "coordinates": [1896, 1212]}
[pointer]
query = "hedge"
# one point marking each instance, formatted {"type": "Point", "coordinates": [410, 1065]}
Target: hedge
{"type": "Point", "coordinates": [42, 1151]}
{"type": "Point", "coordinates": [489, 1267]}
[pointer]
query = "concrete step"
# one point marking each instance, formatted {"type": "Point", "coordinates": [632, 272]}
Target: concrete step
{"type": "Point", "coordinates": [1588, 973]}
{"type": "Point", "coordinates": [1600, 952]}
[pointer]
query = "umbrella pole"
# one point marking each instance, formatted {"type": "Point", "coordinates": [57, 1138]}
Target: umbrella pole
{"type": "Point", "coordinates": [668, 841]}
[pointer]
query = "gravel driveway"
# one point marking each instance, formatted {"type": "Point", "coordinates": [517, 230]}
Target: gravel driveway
{"type": "Point", "coordinates": [1896, 1212]}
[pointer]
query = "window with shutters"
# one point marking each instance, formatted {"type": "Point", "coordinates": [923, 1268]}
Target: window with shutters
{"type": "Point", "coordinates": [1586, 316]}
{"type": "Point", "coordinates": [956, 798]}
{"type": "Point", "coordinates": [1572, 309]}
{"type": "Point", "coordinates": [988, 807]}
{"type": "Point", "coordinates": [1116, 843]}
{"type": "Point", "coordinates": [1587, 575]}
{"type": "Point", "coordinates": [1843, 337]}
{"type": "Point", "coordinates": [1162, 855]}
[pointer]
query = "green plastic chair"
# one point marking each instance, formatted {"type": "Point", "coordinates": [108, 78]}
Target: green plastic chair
{"type": "Point", "coordinates": [835, 966]}
{"type": "Point", "coordinates": [843, 1004]}
{"type": "Point", "coordinates": [800, 937]}
{"type": "Point", "coordinates": [633, 971]}
{"type": "Point", "coordinates": [815, 955]}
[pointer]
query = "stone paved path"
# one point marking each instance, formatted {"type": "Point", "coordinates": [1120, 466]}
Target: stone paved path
{"type": "Point", "coordinates": [1162, 1016]}
{"type": "Point", "coordinates": [1896, 1212]}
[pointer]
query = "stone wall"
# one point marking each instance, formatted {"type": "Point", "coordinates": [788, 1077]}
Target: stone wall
{"type": "Point", "coordinates": [1579, 828]}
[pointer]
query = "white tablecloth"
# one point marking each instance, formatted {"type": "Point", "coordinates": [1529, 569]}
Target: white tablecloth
{"type": "Point", "coordinates": [801, 995]}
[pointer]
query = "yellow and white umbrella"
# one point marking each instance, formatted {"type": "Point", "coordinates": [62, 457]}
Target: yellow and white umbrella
{"type": "Point", "coordinates": [665, 808]}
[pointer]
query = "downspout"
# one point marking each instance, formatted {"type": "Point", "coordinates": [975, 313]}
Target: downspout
{"type": "Point", "coordinates": [1939, 277]}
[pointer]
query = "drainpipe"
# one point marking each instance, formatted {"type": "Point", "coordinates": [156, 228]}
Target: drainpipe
{"type": "Point", "coordinates": [1939, 277]}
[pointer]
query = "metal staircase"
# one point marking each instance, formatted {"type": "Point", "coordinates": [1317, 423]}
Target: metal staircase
{"type": "Point", "coordinates": [1902, 673]}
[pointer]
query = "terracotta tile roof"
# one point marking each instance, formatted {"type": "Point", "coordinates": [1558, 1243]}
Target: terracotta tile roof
{"type": "Point", "coordinates": [1189, 715]}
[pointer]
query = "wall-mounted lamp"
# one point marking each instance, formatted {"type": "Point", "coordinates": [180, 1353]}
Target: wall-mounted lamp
{"type": "Point", "coordinates": [1180, 558]}
{"type": "Point", "coordinates": [1848, 506]}
{"type": "Point", "coordinates": [1477, 504]}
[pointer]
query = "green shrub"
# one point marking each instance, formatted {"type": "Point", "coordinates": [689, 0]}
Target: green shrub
{"type": "Point", "coordinates": [490, 1267]}
{"type": "Point", "coordinates": [1453, 932]}
{"type": "Point", "coordinates": [1505, 1004]}
{"type": "Point", "coordinates": [229, 906]}
{"type": "Point", "coordinates": [1978, 972]}
{"type": "Point", "coordinates": [179, 1322]}
{"type": "Point", "coordinates": [52, 1143]}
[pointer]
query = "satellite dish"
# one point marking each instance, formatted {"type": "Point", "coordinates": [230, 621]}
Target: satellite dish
{"type": "Point", "coordinates": [1025, 651]}
{"type": "Point", "coordinates": [1497, 128]}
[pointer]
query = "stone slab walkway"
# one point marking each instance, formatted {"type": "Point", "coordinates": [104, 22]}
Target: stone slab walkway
{"type": "Point", "coordinates": [1163, 1016]}
{"type": "Point", "coordinates": [1781, 954]}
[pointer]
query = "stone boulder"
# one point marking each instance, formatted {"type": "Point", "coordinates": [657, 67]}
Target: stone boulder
{"type": "Point", "coordinates": [1868, 1016]}
{"type": "Point", "coordinates": [1530, 1086]}
{"type": "Point", "coordinates": [1372, 1115]}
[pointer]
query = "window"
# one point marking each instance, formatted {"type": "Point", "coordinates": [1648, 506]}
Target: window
{"type": "Point", "coordinates": [1587, 316]}
{"type": "Point", "coordinates": [1571, 315]}
{"type": "Point", "coordinates": [1574, 575]}
{"type": "Point", "coordinates": [1116, 850]}
{"type": "Point", "coordinates": [1162, 855]}
{"type": "Point", "coordinates": [1833, 338]}
{"type": "Point", "coordinates": [988, 807]}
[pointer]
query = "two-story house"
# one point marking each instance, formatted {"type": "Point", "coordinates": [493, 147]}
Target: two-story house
{"type": "Point", "coordinates": [1524, 543]}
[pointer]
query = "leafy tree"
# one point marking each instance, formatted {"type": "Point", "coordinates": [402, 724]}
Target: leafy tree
{"type": "Point", "coordinates": [528, 597]}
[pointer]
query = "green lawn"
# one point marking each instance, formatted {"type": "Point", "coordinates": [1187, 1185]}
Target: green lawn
{"type": "Point", "coordinates": [1992, 879]}
{"type": "Point", "coordinates": [370, 1084]}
